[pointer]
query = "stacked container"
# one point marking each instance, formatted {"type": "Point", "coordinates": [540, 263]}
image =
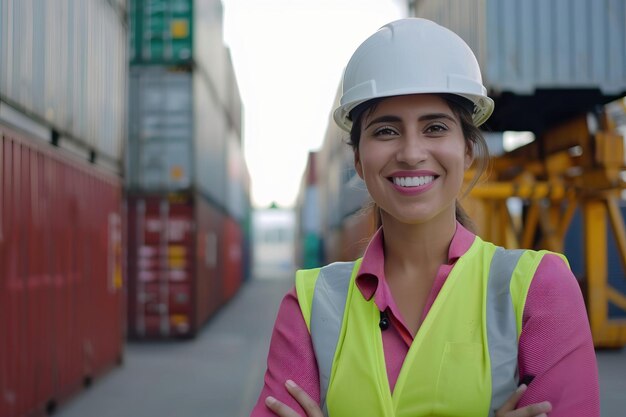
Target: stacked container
{"type": "Point", "coordinates": [187, 182]}
{"type": "Point", "coordinates": [63, 73]}
{"type": "Point", "coordinates": [543, 62]}
{"type": "Point", "coordinates": [345, 223]}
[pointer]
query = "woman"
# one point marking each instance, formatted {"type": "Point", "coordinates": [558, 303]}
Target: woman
{"type": "Point", "coordinates": [432, 321]}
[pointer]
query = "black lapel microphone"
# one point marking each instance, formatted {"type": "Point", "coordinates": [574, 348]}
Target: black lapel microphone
{"type": "Point", "coordinates": [384, 321]}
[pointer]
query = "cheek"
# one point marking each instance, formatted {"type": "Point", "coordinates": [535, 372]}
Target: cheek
{"type": "Point", "coordinates": [367, 159]}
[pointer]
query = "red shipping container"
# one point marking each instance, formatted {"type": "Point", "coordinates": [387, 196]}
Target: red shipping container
{"type": "Point", "coordinates": [61, 298]}
{"type": "Point", "coordinates": [209, 259]}
{"type": "Point", "coordinates": [233, 257]}
{"type": "Point", "coordinates": [177, 271]}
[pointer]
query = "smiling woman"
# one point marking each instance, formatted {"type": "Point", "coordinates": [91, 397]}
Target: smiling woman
{"type": "Point", "coordinates": [456, 113]}
{"type": "Point", "coordinates": [413, 156]}
{"type": "Point", "coordinates": [432, 320]}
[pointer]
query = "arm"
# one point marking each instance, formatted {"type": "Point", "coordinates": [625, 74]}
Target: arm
{"type": "Point", "coordinates": [556, 346]}
{"type": "Point", "coordinates": [290, 357]}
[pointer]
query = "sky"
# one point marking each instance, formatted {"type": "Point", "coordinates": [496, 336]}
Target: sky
{"type": "Point", "coordinates": [289, 56]}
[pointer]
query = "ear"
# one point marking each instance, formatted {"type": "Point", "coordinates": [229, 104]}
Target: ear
{"type": "Point", "coordinates": [357, 163]}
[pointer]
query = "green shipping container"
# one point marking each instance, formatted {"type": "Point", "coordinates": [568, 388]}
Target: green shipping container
{"type": "Point", "coordinates": [161, 32]}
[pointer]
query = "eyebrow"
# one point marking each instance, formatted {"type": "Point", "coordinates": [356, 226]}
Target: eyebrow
{"type": "Point", "coordinates": [426, 117]}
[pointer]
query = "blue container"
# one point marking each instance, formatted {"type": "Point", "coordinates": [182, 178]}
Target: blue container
{"type": "Point", "coordinates": [574, 250]}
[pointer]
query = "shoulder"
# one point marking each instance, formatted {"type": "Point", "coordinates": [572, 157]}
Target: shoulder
{"type": "Point", "coordinates": [553, 278]}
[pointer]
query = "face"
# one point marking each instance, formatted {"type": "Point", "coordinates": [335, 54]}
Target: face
{"type": "Point", "coordinates": [412, 156]}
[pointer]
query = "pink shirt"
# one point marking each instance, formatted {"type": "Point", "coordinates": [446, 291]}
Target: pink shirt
{"type": "Point", "coordinates": [555, 345]}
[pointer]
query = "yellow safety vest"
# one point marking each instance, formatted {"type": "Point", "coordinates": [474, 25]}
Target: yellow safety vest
{"type": "Point", "coordinates": [463, 360]}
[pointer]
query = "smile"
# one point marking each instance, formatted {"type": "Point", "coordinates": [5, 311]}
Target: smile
{"type": "Point", "coordinates": [413, 181]}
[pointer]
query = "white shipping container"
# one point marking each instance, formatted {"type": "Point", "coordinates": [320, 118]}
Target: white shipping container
{"type": "Point", "coordinates": [64, 65]}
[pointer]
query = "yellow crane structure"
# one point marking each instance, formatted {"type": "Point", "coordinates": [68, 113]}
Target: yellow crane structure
{"type": "Point", "coordinates": [574, 165]}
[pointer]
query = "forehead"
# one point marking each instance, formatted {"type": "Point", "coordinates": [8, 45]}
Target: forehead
{"type": "Point", "coordinates": [414, 104]}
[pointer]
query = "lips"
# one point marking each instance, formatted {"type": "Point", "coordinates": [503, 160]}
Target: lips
{"type": "Point", "coordinates": [413, 182]}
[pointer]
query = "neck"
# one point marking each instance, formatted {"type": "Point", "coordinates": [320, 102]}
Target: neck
{"type": "Point", "coordinates": [417, 247]}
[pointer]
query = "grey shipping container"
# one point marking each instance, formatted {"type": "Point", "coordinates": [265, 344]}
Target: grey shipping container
{"type": "Point", "coordinates": [63, 65]}
{"type": "Point", "coordinates": [180, 136]}
{"type": "Point", "coordinates": [341, 191]}
{"type": "Point", "coordinates": [238, 178]}
{"type": "Point", "coordinates": [160, 129]}
{"type": "Point", "coordinates": [542, 61]}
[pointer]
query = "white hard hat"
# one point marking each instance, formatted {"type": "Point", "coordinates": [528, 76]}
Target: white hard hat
{"type": "Point", "coordinates": [412, 56]}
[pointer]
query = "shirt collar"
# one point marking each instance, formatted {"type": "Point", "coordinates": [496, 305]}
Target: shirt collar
{"type": "Point", "coordinates": [372, 269]}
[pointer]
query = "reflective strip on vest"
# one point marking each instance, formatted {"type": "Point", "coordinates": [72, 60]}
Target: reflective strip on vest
{"type": "Point", "coordinates": [327, 309]}
{"type": "Point", "coordinates": [502, 327]}
{"type": "Point", "coordinates": [329, 302]}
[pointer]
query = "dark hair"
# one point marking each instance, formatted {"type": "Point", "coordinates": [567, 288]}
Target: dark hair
{"type": "Point", "coordinates": [474, 139]}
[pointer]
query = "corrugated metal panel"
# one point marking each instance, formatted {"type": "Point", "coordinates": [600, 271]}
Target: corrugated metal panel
{"type": "Point", "coordinates": [234, 105]}
{"type": "Point", "coordinates": [527, 45]}
{"type": "Point", "coordinates": [209, 265]}
{"type": "Point", "coordinates": [238, 203]}
{"type": "Point", "coordinates": [163, 33]}
{"type": "Point", "coordinates": [179, 135]}
{"type": "Point", "coordinates": [183, 144]}
{"type": "Point", "coordinates": [211, 152]}
{"type": "Point", "coordinates": [60, 274]}
{"type": "Point", "coordinates": [64, 64]}
{"type": "Point", "coordinates": [160, 129]}
{"type": "Point", "coordinates": [161, 265]}
{"type": "Point", "coordinates": [186, 259]}
{"type": "Point", "coordinates": [210, 55]}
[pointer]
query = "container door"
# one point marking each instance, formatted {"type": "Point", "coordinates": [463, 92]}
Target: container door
{"type": "Point", "coordinates": [164, 249]}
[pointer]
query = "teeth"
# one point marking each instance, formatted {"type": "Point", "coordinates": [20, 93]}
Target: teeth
{"type": "Point", "coordinates": [412, 181]}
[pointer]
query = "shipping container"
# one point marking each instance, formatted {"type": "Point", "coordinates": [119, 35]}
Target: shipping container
{"type": "Point", "coordinates": [238, 179]}
{"type": "Point", "coordinates": [234, 104]}
{"type": "Point", "coordinates": [64, 67]}
{"type": "Point", "coordinates": [185, 260]}
{"type": "Point", "coordinates": [232, 258]}
{"type": "Point", "coordinates": [160, 130]}
{"type": "Point", "coordinates": [164, 33]}
{"type": "Point", "coordinates": [542, 61]}
{"type": "Point", "coordinates": [61, 289]}
{"type": "Point", "coordinates": [308, 218]}
{"type": "Point", "coordinates": [574, 250]}
{"type": "Point", "coordinates": [180, 136]}
{"type": "Point", "coordinates": [161, 31]}
{"type": "Point", "coordinates": [184, 156]}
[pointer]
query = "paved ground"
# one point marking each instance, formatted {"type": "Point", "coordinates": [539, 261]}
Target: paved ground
{"type": "Point", "coordinates": [219, 374]}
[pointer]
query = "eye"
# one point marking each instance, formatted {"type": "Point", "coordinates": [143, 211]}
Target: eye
{"type": "Point", "coordinates": [385, 131]}
{"type": "Point", "coordinates": [436, 128]}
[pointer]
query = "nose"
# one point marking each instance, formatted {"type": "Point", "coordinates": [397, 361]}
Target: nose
{"type": "Point", "coordinates": [412, 150]}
